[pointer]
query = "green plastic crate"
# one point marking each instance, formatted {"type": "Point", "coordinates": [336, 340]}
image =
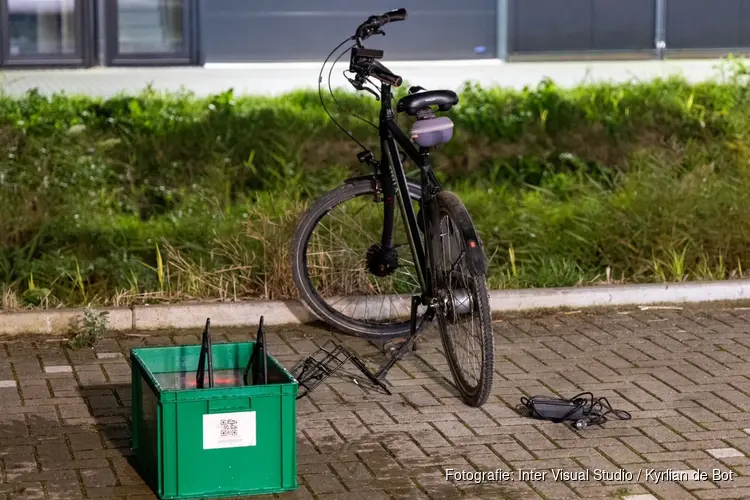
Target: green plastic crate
{"type": "Point", "coordinates": [219, 442]}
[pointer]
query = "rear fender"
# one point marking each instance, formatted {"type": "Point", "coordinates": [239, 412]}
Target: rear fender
{"type": "Point", "coordinates": [476, 260]}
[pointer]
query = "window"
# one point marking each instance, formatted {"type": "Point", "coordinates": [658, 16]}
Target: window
{"type": "Point", "coordinates": [42, 27]}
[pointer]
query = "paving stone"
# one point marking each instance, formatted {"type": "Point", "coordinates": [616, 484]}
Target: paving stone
{"type": "Point", "coordinates": [108, 355]}
{"type": "Point", "coordinates": [725, 453]}
{"type": "Point", "coordinates": [682, 375]}
{"type": "Point", "coordinates": [323, 483]}
{"type": "Point", "coordinates": [58, 369]}
{"type": "Point", "coordinates": [98, 477]}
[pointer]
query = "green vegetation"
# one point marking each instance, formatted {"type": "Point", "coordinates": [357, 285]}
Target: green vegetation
{"type": "Point", "coordinates": [89, 329]}
{"type": "Point", "coordinates": [168, 197]}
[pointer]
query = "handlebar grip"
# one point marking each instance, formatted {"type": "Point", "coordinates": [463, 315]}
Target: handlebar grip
{"type": "Point", "coordinates": [374, 23]}
{"type": "Point", "coordinates": [394, 15]}
{"type": "Point", "coordinates": [385, 75]}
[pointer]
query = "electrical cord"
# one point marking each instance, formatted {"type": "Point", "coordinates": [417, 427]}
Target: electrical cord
{"type": "Point", "coordinates": [320, 94]}
{"type": "Point", "coordinates": [583, 409]}
{"type": "Point", "coordinates": [364, 31]}
{"type": "Point", "coordinates": [374, 85]}
{"type": "Point", "coordinates": [330, 90]}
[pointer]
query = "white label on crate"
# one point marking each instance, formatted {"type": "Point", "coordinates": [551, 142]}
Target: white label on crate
{"type": "Point", "coordinates": [228, 430]}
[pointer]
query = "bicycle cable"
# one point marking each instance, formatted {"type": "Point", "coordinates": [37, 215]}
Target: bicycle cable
{"type": "Point", "coordinates": [320, 94]}
{"type": "Point", "coordinates": [330, 90]}
{"type": "Point", "coordinates": [375, 86]}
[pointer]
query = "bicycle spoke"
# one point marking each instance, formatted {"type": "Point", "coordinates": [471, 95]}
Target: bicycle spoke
{"type": "Point", "coordinates": [337, 262]}
{"type": "Point", "coordinates": [464, 335]}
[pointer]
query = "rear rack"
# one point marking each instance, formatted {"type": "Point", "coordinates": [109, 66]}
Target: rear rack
{"type": "Point", "coordinates": [324, 362]}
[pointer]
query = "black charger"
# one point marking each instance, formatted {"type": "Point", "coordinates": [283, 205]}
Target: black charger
{"type": "Point", "coordinates": [581, 410]}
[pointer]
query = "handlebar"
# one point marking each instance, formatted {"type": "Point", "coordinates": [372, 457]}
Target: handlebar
{"type": "Point", "coordinates": [374, 23]}
{"type": "Point", "coordinates": [363, 60]}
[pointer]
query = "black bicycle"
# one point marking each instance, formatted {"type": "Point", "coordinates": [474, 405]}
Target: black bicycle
{"type": "Point", "coordinates": [376, 272]}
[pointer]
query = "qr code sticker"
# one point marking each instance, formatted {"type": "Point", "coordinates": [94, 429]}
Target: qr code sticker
{"type": "Point", "coordinates": [228, 427]}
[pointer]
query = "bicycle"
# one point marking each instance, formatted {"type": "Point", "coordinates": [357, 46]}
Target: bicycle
{"type": "Point", "coordinates": [453, 290]}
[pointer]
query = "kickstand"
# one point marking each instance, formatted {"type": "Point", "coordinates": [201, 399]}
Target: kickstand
{"type": "Point", "coordinates": [408, 344]}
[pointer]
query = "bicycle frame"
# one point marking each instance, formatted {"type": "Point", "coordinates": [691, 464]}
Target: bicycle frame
{"type": "Point", "coordinates": [391, 165]}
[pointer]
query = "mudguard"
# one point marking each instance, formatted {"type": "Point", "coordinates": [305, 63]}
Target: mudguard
{"type": "Point", "coordinates": [476, 260]}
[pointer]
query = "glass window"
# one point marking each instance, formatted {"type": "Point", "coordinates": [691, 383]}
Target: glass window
{"type": "Point", "coordinates": [150, 26]}
{"type": "Point", "coordinates": [39, 27]}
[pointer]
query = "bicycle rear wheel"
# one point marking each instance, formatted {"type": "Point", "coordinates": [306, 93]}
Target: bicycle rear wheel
{"type": "Point", "coordinates": [463, 309]}
{"type": "Point", "coordinates": [333, 253]}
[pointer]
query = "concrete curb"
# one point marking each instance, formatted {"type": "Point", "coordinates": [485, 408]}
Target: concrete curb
{"type": "Point", "coordinates": [235, 314]}
{"type": "Point", "coordinates": [618, 295]}
{"type": "Point", "coordinates": [221, 314]}
{"type": "Point", "coordinates": [59, 321]}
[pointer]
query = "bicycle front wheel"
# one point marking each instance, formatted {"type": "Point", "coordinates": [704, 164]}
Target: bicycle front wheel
{"type": "Point", "coordinates": [338, 268]}
{"type": "Point", "coordinates": [463, 309]}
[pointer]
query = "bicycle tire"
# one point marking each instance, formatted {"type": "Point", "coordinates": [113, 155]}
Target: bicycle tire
{"type": "Point", "coordinates": [450, 205]}
{"type": "Point", "coordinates": [308, 294]}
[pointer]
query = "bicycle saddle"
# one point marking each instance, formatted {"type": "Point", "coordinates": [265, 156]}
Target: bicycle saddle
{"type": "Point", "coordinates": [412, 103]}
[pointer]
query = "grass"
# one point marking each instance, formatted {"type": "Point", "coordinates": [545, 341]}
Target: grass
{"type": "Point", "coordinates": [170, 197]}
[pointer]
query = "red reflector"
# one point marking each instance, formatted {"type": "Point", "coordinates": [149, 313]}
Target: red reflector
{"type": "Point", "coordinates": [472, 243]}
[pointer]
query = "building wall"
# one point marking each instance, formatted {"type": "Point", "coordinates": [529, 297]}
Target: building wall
{"type": "Point", "coordinates": [548, 26]}
{"type": "Point", "coordinates": [301, 30]}
{"type": "Point", "coordinates": [708, 24]}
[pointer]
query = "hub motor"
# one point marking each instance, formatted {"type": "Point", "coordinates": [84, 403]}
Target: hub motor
{"type": "Point", "coordinates": [381, 261]}
{"type": "Point", "coordinates": [459, 304]}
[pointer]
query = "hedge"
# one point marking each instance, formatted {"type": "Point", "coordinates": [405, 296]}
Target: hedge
{"type": "Point", "coordinates": [170, 196]}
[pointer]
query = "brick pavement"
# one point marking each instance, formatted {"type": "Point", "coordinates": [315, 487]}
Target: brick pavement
{"type": "Point", "coordinates": [683, 374]}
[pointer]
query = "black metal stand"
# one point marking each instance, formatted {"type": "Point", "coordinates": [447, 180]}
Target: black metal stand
{"type": "Point", "coordinates": [325, 362]}
{"type": "Point", "coordinates": [408, 344]}
{"type": "Point", "coordinates": [331, 356]}
{"type": "Point", "coordinates": [258, 361]}
{"type": "Point", "coordinates": [205, 359]}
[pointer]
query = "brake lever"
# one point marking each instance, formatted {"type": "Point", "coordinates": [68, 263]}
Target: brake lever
{"type": "Point", "coordinates": [377, 97]}
{"type": "Point", "coordinates": [367, 33]}
{"type": "Point", "coordinates": [359, 85]}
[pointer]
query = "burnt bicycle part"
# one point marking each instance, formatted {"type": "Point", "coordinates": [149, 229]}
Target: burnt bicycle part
{"type": "Point", "coordinates": [258, 362]}
{"type": "Point", "coordinates": [205, 360]}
